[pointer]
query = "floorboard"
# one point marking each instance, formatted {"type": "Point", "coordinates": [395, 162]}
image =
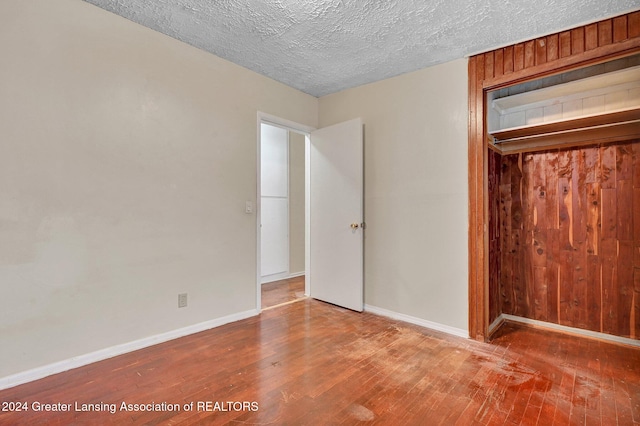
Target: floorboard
{"type": "Point", "coordinates": [313, 363]}
{"type": "Point", "coordinates": [283, 291]}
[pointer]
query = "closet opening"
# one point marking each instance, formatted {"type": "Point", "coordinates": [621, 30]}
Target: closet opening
{"type": "Point", "coordinates": [563, 201]}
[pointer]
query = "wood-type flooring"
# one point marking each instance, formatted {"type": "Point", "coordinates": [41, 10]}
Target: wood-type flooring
{"type": "Point", "coordinates": [283, 291]}
{"type": "Point", "coordinates": [311, 363]}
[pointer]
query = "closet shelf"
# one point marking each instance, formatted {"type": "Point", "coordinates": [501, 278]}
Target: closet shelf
{"type": "Point", "coordinates": [598, 128]}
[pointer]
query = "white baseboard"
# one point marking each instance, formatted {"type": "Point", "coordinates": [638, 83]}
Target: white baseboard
{"type": "Point", "coordinates": [266, 279]}
{"type": "Point", "coordinates": [570, 330]}
{"type": "Point", "coordinates": [418, 321]}
{"type": "Point", "coordinates": [79, 361]}
{"type": "Point", "coordinates": [496, 323]}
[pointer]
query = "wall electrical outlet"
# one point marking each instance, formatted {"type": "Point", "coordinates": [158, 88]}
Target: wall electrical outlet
{"type": "Point", "coordinates": [182, 300]}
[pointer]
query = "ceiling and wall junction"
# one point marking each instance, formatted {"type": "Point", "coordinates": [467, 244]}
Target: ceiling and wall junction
{"type": "Point", "coordinates": [325, 46]}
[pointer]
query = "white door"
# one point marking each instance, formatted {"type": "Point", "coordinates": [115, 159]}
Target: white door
{"type": "Point", "coordinates": [337, 211]}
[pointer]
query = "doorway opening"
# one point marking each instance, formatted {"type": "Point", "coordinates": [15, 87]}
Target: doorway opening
{"type": "Point", "coordinates": [334, 233]}
{"type": "Point", "coordinates": [282, 212]}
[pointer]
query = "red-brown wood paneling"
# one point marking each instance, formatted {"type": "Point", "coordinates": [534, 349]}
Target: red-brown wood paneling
{"type": "Point", "coordinates": [565, 44]}
{"type": "Point", "coordinates": [508, 59]}
{"type": "Point", "coordinates": [518, 56]}
{"type": "Point", "coordinates": [552, 47]}
{"type": "Point", "coordinates": [633, 25]}
{"type": "Point", "coordinates": [494, 163]}
{"type": "Point", "coordinates": [620, 28]}
{"type": "Point", "coordinates": [577, 41]}
{"type": "Point", "coordinates": [605, 32]}
{"type": "Point", "coordinates": [478, 299]}
{"type": "Point", "coordinates": [541, 51]}
{"type": "Point", "coordinates": [489, 65]}
{"type": "Point", "coordinates": [498, 66]}
{"type": "Point", "coordinates": [563, 50]}
{"type": "Point", "coordinates": [529, 54]}
{"type": "Point", "coordinates": [591, 37]}
{"type": "Point", "coordinates": [569, 230]}
{"type": "Point", "coordinates": [567, 50]}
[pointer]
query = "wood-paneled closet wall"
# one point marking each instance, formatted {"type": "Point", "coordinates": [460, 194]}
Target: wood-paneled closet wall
{"type": "Point", "coordinates": [554, 235]}
{"type": "Point", "coordinates": [565, 237]}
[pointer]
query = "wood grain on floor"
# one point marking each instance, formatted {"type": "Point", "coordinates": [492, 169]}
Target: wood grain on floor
{"type": "Point", "coordinates": [283, 291]}
{"type": "Point", "coordinates": [313, 363]}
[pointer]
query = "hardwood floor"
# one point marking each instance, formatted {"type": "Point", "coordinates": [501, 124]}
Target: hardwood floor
{"type": "Point", "coordinates": [282, 291]}
{"type": "Point", "coordinates": [313, 363]}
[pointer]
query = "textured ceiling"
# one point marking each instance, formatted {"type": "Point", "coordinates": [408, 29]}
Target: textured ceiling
{"type": "Point", "coordinates": [324, 46]}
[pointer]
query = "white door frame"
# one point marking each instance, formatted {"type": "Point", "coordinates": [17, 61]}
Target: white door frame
{"type": "Point", "coordinates": [298, 128]}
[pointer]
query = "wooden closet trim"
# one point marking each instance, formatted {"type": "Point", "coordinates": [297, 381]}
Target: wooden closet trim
{"type": "Point", "coordinates": [582, 46]}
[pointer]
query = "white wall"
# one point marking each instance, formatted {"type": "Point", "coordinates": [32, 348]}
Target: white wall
{"type": "Point", "coordinates": [274, 203]}
{"type": "Point", "coordinates": [415, 128]}
{"type": "Point", "coordinates": [126, 158]}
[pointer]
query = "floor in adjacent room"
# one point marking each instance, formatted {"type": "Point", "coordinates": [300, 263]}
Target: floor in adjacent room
{"type": "Point", "coordinates": [283, 291]}
{"type": "Point", "coordinates": [313, 363]}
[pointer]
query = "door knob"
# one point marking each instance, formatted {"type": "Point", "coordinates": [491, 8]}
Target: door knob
{"type": "Point", "coordinates": [354, 226]}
